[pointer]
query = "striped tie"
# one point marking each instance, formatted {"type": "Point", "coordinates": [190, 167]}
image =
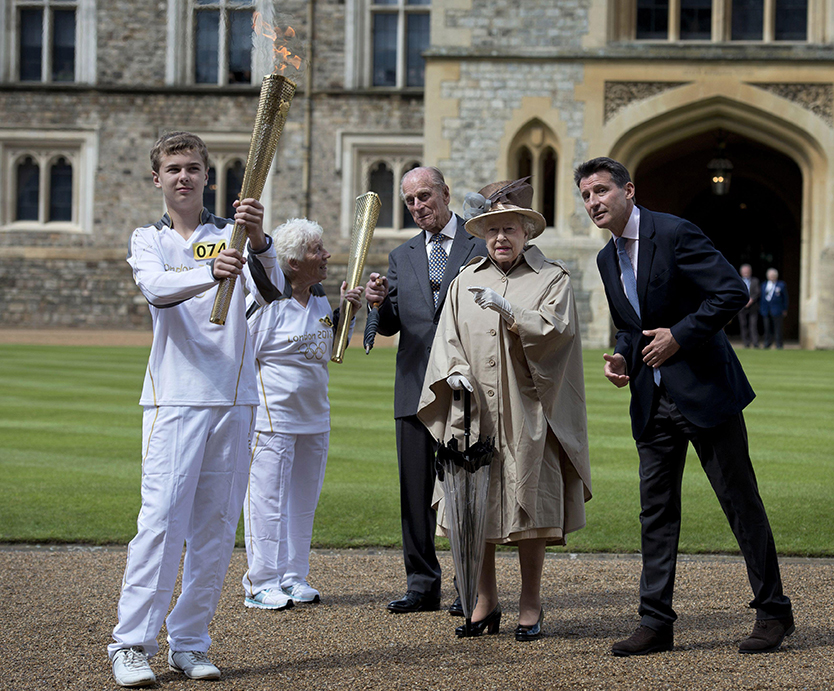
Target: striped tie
{"type": "Point", "coordinates": [437, 265]}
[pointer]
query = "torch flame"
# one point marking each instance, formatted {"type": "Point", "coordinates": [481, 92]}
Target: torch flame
{"type": "Point", "coordinates": [281, 54]}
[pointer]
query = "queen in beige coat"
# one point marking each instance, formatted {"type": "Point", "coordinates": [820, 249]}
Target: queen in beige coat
{"type": "Point", "coordinates": [509, 333]}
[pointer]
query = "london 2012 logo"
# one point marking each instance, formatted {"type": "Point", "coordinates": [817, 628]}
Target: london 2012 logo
{"type": "Point", "coordinates": [313, 350]}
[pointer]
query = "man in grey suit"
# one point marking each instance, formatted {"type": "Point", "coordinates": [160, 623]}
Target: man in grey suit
{"type": "Point", "coordinates": [748, 318]}
{"type": "Point", "coordinates": [411, 297]}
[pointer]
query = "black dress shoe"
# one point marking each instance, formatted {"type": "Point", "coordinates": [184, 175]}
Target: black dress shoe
{"type": "Point", "coordinates": [491, 622]}
{"type": "Point", "coordinates": [413, 601]}
{"type": "Point", "coordinates": [456, 608]}
{"type": "Point", "coordinates": [767, 635]}
{"type": "Point", "coordinates": [530, 633]}
{"type": "Point", "coordinates": [643, 641]}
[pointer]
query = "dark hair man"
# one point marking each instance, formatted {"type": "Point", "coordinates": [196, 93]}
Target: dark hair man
{"type": "Point", "coordinates": [670, 293]}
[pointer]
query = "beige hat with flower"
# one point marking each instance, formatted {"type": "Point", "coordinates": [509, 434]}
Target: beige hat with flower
{"type": "Point", "coordinates": [509, 196]}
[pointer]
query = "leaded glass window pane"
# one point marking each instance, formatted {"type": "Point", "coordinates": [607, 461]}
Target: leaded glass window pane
{"type": "Point", "coordinates": [240, 47]}
{"type": "Point", "coordinates": [696, 20]}
{"type": "Point", "coordinates": [385, 50]}
{"type": "Point", "coordinates": [28, 190]}
{"type": "Point", "coordinates": [234, 182]}
{"type": "Point", "coordinates": [747, 20]}
{"type": "Point", "coordinates": [548, 166]}
{"type": "Point", "coordinates": [31, 45]}
{"type": "Point", "coordinates": [206, 46]}
{"type": "Point", "coordinates": [60, 191]}
{"type": "Point", "coordinates": [63, 46]}
{"type": "Point", "coordinates": [653, 19]}
{"type": "Point", "coordinates": [791, 20]}
{"type": "Point", "coordinates": [381, 181]}
{"type": "Point", "coordinates": [417, 34]}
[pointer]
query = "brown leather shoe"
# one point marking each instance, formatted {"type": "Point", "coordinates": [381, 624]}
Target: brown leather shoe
{"type": "Point", "coordinates": [767, 635]}
{"type": "Point", "coordinates": [644, 641]}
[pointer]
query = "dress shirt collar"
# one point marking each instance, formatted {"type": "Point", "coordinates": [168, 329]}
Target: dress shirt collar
{"type": "Point", "coordinates": [632, 229]}
{"type": "Point", "coordinates": [449, 230]}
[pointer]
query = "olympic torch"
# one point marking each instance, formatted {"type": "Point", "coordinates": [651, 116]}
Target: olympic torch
{"type": "Point", "coordinates": [365, 216]}
{"type": "Point", "coordinates": [274, 105]}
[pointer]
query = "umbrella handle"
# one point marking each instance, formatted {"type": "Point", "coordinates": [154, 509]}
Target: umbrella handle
{"type": "Point", "coordinates": [467, 417]}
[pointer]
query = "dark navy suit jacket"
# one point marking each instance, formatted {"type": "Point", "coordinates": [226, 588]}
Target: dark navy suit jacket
{"type": "Point", "coordinates": [778, 302]}
{"type": "Point", "coordinates": [686, 285]}
{"type": "Point", "coordinates": [409, 309]}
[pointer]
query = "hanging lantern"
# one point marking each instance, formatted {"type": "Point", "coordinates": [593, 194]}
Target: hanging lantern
{"type": "Point", "coordinates": [720, 171]}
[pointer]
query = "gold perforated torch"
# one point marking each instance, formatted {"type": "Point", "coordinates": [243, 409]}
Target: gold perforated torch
{"type": "Point", "coordinates": [276, 95]}
{"type": "Point", "coordinates": [365, 216]}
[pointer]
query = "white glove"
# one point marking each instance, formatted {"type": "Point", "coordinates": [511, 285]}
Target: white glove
{"type": "Point", "coordinates": [458, 382]}
{"type": "Point", "coordinates": [487, 298]}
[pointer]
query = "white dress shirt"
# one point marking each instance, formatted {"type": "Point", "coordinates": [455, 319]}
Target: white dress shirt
{"type": "Point", "coordinates": [632, 236]}
{"type": "Point", "coordinates": [448, 231]}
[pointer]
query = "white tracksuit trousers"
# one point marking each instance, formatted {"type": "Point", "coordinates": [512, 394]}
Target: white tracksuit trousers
{"type": "Point", "coordinates": [285, 480]}
{"type": "Point", "coordinates": [194, 477]}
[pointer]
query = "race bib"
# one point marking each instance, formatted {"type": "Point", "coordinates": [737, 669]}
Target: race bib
{"type": "Point", "coordinates": [208, 250]}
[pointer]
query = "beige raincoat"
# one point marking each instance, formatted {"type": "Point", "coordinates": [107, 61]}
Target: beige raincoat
{"type": "Point", "coordinates": [529, 394]}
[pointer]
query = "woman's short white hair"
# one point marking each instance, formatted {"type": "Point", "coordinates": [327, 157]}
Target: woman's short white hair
{"type": "Point", "coordinates": [292, 240]}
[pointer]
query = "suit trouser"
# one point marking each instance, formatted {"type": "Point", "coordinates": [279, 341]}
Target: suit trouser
{"type": "Point", "coordinates": [725, 458]}
{"type": "Point", "coordinates": [193, 481]}
{"type": "Point", "coordinates": [285, 480]}
{"type": "Point", "coordinates": [415, 454]}
{"type": "Point", "coordinates": [773, 329]}
{"type": "Point", "coordinates": [748, 320]}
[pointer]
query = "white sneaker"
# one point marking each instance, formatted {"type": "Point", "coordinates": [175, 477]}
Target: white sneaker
{"type": "Point", "coordinates": [193, 663]}
{"type": "Point", "coordinates": [302, 592]}
{"type": "Point", "coordinates": [269, 598]}
{"type": "Point", "coordinates": [131, 667]}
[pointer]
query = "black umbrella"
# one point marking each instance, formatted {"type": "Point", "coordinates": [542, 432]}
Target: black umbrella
{"type": "Point", "coordinates": [465, 478]}
{"type": "Point", "coordinates": [370, 328]}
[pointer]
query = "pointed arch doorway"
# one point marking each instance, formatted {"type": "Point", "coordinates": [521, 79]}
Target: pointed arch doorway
{"type": "Point", "coordinates": [758, 221]}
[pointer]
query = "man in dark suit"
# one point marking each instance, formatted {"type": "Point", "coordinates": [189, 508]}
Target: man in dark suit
{"type": "Point", "coordinates": [411, 297]}
{"type": "Point", "coordinates": [748, 318]}
{"type": "Point", "coordinates": [774, 308]}
{"type": "Point", "coordinates": [670, 293]}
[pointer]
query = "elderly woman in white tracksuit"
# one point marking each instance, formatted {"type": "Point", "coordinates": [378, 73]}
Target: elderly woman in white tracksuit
{"type": "Point", "coordinates": [293, 339]}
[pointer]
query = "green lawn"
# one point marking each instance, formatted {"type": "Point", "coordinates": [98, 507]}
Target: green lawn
{"type": "Point", "coordinates": [70, 464]}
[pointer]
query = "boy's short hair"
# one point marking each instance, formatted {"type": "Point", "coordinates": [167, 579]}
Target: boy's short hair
{"type": "Point", "coordinates": [176, 142]}
{"type": "Point", "coordinates": [619, 173]}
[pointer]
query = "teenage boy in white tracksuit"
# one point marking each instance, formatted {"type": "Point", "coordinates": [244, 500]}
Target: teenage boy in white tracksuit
{"type": "Point", "coordinates": [199, 399]}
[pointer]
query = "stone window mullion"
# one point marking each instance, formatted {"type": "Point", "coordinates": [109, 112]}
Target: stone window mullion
{"type": "Point", "coordinates": [674, 20]}
{"type": "Point", "coordinates": [769, 29]}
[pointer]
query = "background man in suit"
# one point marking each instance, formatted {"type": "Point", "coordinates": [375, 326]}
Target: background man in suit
{"type": "Point", "coordinates": [670, 293]}
{"type": "Point", "coordinates": [748, 318]}
{"type": "Point", "coordinates": [419, 272]}
{"type": "Point", "coordinates": [774, 308]}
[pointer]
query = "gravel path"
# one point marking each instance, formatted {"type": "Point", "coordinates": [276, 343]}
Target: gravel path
{"type": "Point", "coordinates": [57, 608]}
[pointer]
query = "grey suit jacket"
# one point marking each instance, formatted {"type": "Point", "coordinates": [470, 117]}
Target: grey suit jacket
{"type": "Point", "coordinates": [409, 309]}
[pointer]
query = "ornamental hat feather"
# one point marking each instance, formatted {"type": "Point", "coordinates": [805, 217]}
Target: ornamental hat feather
{"type": "Point", "coordinates": [508, 196]}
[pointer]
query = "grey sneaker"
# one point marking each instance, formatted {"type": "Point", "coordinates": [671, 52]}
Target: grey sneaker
{"type": "Point", "coordinates": [193, 664]}
{"type": "Point", "coordinates": [269, 598]}
{"type": "Point", "coordinates": [131, 667]}
{"type": "Point", "coordinates": [302, 592]}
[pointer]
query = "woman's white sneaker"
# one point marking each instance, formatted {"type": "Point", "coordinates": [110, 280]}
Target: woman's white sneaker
{"type": "Point", "coordinates": [269, 598]}
{"type": "Point", "coordinates": [302, 592]}
{"type": "Point", "coordinates": [131, 667]}
{"type": "Point", "coordinates": [193, 663]}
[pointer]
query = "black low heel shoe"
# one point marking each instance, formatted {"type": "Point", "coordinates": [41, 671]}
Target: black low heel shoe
{"type": "Point", "coordinates": [530, 633]}
{"type": "Point", "coordinates": [491, 623]}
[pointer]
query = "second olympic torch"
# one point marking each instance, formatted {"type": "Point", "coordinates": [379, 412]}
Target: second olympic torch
{"type": "Point", "coordinates": [276, 95]}
{"type": "Point", "coordinates": [365, 216]}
